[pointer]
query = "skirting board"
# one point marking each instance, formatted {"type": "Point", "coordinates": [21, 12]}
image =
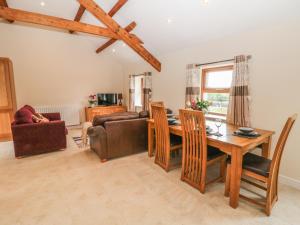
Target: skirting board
{"type": "Point", "coordinates": [289, 181]}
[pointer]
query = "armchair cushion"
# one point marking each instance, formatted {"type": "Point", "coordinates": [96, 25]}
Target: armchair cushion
{"type": "Point", "coordinates": [52, 116]}
{"type": "Point", "coordinates": [30, 108]}
{"type": "Point", "coordinates": [23, 116]}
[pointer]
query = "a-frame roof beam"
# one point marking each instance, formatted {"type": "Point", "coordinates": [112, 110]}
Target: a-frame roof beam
{"type": "Point", "coordinates": [56, 22]}
{"type": "Point", "coordinates": [100, 14]}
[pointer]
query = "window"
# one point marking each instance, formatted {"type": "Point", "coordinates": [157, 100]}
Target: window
{"type": "Point", "coordinates": [138, 91]}
{"type": "Point", "coordinates": [216, 83]}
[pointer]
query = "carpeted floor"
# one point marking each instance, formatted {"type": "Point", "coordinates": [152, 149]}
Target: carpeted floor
{"type": "Point", "coordinates": [73, 187]}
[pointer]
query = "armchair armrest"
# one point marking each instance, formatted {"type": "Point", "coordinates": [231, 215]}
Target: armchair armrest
{"type": "Point", "coordinates": [52, 116]}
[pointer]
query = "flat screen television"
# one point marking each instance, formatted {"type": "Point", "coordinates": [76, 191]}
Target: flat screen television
{"type": "Point", "coordinates": [107, 99]}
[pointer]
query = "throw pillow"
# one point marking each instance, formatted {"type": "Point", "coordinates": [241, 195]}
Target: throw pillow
{"type": "Point", "coordinates": [30, 108]}
{"type": "Point", "coordinates": [23, 116]}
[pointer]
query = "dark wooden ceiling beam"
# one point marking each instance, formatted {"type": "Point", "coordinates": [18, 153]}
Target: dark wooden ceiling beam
{"type": "Point", "coordinates": [4, 4]}
{"type": "Point", "coordinates": [102, 16]}
{"type": "Point", "coordinates": [56, 22]}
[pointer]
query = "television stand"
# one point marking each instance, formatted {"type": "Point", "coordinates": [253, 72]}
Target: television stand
{"type": "Point", "coordinates": [90, 112]}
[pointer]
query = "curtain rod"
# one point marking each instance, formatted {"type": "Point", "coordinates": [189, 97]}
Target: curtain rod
{"type": "Point", "coordinates": [227, 60]}
{"type": "Point", "coordinates": [139, 75]}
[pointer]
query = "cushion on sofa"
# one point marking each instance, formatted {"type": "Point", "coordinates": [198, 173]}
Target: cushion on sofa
{"type": "Point", "coordinates": [144, 114]}
{"type": "Point", "coordinates": [30, 108]}
{"type": "Point", "coordinates": [23, 116]}
{"type": "Point", "coordinates": [100, 120]}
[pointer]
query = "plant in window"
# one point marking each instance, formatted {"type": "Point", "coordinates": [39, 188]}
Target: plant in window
{"type": "Point", "coordinates": [201, 105]}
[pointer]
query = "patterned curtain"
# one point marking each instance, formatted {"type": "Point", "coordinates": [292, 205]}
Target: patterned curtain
{"type": "Point", "coordinates": [131, 93]}
{"type": "Point", "coordinates": [239, 108]}
{"type": "Point", "coordinates": [147, 90]}
{"type": "Point", "coordinates": [193, 84]}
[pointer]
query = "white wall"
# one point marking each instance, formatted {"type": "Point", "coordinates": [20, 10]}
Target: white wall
{"type": "Point", "coordinates": [52, 67]}
{"type": "Point", "coordinates": [275, 79]}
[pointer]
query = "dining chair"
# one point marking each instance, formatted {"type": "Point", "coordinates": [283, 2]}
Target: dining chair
{"type": "Point", "coordinates": [159, 103]}
{"type": "Point", "coordinates": [164, 143]}
{"type": "Point", "coordinates": [264, 171]}
{"type": "Point", "coordinates": [196, 154]}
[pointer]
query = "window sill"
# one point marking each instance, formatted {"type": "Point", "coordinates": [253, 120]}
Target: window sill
{"type": "Point", "coordinates": [214, 117]}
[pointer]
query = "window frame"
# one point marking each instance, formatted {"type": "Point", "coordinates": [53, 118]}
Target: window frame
{"type": "Point", "coordinates": [205, 71]}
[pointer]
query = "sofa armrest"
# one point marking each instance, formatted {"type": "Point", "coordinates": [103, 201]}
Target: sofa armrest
{"type": "Point", "coordinates": [98, 141]}
{"type": "Point", "coordinates": [96, 131]}
{"type": "Point", "coordinates": [52, 116]}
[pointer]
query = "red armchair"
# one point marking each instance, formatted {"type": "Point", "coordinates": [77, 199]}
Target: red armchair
{"type": "Point", "coordinates": [37, 138]}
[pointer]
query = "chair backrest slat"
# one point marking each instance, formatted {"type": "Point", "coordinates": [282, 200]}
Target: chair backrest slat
{"type": "Point", "coordinates": [194, 145]}
{"type": "Point", "coordinates": [159, 103]}
{"type": "Point", "coordinates": [162, 134]}
{"type": "Point", "coordinates": [275, 165]}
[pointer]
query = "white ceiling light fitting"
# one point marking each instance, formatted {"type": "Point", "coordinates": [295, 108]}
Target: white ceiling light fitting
{"type": "Point", "coordinates": [42, 4]}
{"type": "Point", "coordinates": [205, 2]}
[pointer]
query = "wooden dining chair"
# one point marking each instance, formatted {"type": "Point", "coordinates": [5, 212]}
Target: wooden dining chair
{"type": "Point", "coordinates": [159, 103]}
{"type": "Point", "coordinates": [196, 155]}
{"type": "Point", "coordinates": [164, 144]}
{"type": "Point", "coordinates": [264, 170]}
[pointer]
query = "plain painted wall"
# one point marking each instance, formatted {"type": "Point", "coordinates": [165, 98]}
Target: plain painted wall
{"type": "Point", "coordinates": [274, 79]}
{"type": "Point", "coordinates": [56, 68]}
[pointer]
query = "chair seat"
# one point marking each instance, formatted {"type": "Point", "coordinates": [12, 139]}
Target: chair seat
{"type": "Point", "coordinates": [175, 140]}
{"type": "Point", "coordinates": [213, 153]}
{"type": "Point", "coordinates": [256, 164]}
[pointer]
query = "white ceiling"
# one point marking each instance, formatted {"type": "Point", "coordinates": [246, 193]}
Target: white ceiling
{"type": "Point", "coordinates": [192, 21]}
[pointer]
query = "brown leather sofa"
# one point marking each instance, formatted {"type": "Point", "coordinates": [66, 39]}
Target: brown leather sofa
{"type": "Point", "coordinates": [119, 134]}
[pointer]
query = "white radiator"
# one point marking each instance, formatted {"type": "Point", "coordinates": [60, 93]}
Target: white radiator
{"type": "Point", "coordinates": [69, 113]}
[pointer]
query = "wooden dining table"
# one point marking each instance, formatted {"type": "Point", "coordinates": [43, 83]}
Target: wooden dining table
{"type": "Point", "coordinates": [230, 144]}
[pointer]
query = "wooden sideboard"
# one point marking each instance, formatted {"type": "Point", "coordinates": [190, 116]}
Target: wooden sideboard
{"type": "Point", "coordinates": [103, 110]}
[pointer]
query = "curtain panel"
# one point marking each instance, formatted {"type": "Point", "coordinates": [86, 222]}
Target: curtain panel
{"type": "Point", "coordinates": [239, 100]}
{"type": "Point", "coordinates": [193, 84]}
{"type": "Point", "coordinates": [131, 93]}
{"type": "Point", "coordinates": [146, 90]}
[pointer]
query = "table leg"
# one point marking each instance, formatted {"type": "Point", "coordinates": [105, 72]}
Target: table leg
{"type": "Point", "coordinates": [266, 147]}
{"type": "Point", "coordinates": [150, 140]}
{"type": "Point", "coordinates": [235, 179]}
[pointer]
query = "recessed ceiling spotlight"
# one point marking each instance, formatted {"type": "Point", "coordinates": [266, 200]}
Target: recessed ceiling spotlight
{"type": "Point", "coordinates": [205, 2]}
{"type": "Point", "coordinates": [113, 50]}
{"type": "Point", "coordinates": [42, 4]}
{"type": "Point", "coordinates": [123, 44]}
{"type": "Point", "coordinates": [169, 20]}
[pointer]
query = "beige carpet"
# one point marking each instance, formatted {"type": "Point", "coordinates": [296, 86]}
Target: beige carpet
{"type": "Point", "coordinates": [73, 187]}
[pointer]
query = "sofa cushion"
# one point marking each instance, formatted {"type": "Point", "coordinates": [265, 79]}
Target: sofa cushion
{"type": "Point", "coordinates": [30, 108]}
{"type": "Point", "coordinates": [144, 114]}
{"type": "Point", "coordinates": [23, 116]}
{"type": "Point", "coordinates": [100, 120]}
